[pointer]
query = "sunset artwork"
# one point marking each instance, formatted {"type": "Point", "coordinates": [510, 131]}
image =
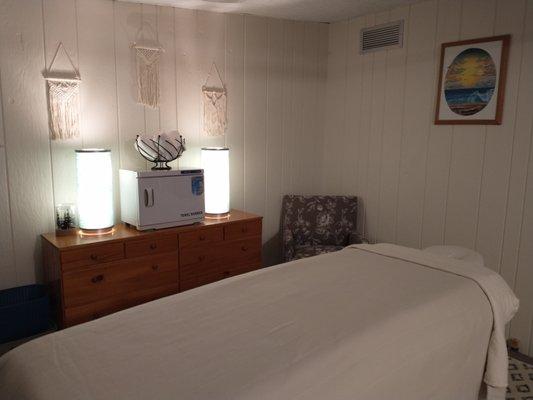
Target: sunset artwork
{"type": "Point", "coordinates": [470, 82]}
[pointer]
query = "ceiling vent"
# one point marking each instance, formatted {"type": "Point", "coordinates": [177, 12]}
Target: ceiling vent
{"type": "Point", "coordinates": [381, 37]}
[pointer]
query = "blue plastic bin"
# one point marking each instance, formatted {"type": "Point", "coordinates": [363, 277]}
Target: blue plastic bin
{"type": "Point", "coordinates": [24, 311]}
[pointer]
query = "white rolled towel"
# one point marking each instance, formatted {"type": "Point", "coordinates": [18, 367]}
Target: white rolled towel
{"type": "Point", "coordinates": [145, 145]}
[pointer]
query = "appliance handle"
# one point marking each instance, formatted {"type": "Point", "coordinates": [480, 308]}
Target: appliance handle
{"type": "Point", "coordinates": [146, 198]}
{"type": "Point", "coordinates": [153, 197]}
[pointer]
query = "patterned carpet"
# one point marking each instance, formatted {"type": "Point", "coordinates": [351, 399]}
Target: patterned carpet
{"type": "Point", "coordinates": [520, 380]}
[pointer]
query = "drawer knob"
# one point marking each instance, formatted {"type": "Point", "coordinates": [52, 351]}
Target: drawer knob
{"type": "Point", "coordinates": [94, 257]}
{"type": "Point", "coordinates": [155, 267]}
{"type": "Point", "coordinates": [244, 229]}
{"type": "Point", "coordinates": [201, 258]}
{"type": "Point", "coordinates": [97, 279]}
{"type": "Point", "coordinates": [153, 246]}
{"type": "Point", "coordinates": [202, 237]}
{"type": "Point", "coordinates": [244, 248]}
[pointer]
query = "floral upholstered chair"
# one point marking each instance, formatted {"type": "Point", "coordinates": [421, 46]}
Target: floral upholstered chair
{"type": "Point", "coordinates": [312, 225]}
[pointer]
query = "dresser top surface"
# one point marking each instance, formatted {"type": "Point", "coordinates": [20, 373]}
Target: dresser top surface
{"type": "Point", "coordinates": [122, 232]}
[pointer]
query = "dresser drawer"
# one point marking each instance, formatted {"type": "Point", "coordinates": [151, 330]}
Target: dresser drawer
{"type": "Point", "coordinates": [91, 255]}
{"type": "Point", "coordinates": [98, 283]}
{"type": "Point", "coordinates": [201, 236]}
{"type": "Point", "coordinates": [206, 268]}
{"type": "Point", "coordinates": [146, 272]}
{"type": "Point", "coordinates": [199, 254]}
{"type": "Point", "coordinates": [154, 245]}
{"type": "Point", "coordinates": [201, 274]}
{"type": "Point", "coordinates": [200, 278]}
{"type": "Point", "coordinates": [200, 266]}
{"type": "Point", "coordinates": [242, 229]}
{"type": "Point", "coordinates": [83, 287]}
{"type": "Point", "coordinates": [89, 312]}
{"type": "Point", "coordinates": [226, 253]}
{"type": "Point", "coordinates": [240, 252]}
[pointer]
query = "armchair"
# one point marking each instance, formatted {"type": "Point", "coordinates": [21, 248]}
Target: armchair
{"type": "Point", "coordinates": [312, 225]}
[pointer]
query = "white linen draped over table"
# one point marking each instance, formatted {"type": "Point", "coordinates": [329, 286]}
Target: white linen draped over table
{"type": "Point", "coordinates": [367, 323]}
{"type": "Point", "coordinates": [503, 301]}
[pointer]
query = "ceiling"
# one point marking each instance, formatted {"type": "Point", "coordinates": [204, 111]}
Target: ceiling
{"type": "Point", "coordinates": [303, 10]}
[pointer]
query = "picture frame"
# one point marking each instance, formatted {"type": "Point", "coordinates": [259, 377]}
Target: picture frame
{"type": "Point", "coordinates": [471, 84]}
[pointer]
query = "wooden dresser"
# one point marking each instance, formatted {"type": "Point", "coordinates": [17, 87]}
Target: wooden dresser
{"type": "Point", "coordinates": [91, 276]}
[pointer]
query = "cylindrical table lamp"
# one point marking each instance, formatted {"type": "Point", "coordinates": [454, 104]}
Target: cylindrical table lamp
{"type": "Point", "coordinates": [215, 162]}
{"type": "Point", "coordinates": [95, 191]}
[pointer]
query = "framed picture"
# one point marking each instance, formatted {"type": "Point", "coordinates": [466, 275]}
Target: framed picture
{"type": "Point", "coordinates": [472, 81]}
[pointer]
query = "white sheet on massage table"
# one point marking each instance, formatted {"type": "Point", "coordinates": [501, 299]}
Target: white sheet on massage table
{"type": "Point", "coordinates": [345, 325]}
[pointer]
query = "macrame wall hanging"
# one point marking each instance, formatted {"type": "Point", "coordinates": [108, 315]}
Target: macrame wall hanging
{"type": "Point", "coordinates": [215, 103]}
{"type": "Point", "coordinates": [148, 74]}
{"type": "Point", "coordinates": [63, 102]}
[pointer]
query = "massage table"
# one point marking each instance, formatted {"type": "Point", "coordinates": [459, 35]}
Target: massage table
{"type": "Point", "coordinates": [367, 322]}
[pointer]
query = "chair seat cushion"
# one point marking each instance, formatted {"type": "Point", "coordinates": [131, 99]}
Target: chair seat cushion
{"type": "Point", "coordinates": [310, 250]}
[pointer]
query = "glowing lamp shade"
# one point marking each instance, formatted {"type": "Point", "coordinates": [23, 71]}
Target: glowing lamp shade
{"type": "Point", "coordinates": [215, 162]}
{"type": "Point", "coordinates": [95, 190]}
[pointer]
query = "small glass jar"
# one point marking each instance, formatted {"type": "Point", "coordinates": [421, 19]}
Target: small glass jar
{"type": "Point", "coordinates": [65, 218]}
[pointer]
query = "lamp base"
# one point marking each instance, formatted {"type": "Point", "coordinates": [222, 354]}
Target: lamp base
{"type": "Point", "coordinates": [217, 216]}
{"type": "Point", "coordinates": [96, 232]}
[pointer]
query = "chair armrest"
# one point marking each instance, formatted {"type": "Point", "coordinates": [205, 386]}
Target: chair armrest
{"type": "Point", "coordinates": [356, 238]}
{"type": "Point", "coordinates": [287, 245]}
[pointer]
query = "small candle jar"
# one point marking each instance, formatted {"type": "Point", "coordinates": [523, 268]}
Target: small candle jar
{"type": "Point", "coordinates": [65, 219]}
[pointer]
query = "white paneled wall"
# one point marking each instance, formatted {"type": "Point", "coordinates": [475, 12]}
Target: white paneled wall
{"type": "Point", "coordinates": [423, 184]}
{"type": "Point", "coordinates": [274, 71]}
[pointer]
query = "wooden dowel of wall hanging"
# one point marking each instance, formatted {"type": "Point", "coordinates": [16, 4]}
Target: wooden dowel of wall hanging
{"type": "Point", "coordinates": [135, 46]}
{"type": "Point", "coordinates": [63, 79]}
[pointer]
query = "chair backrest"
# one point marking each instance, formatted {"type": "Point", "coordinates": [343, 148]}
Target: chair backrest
{"type": "Point", "coordinates": [313, 220]}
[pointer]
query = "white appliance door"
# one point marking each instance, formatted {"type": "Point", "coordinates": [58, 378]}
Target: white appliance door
{"type": "Point", "coordinates": [169, 199]}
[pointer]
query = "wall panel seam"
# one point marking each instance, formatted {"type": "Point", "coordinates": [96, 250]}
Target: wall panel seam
{"type": "Point", "coordinates": [267, 176]}
{"type": "Point", "coordinates": [116, 84]}
{"type": "Point", "coordinates": [78, 59]}
{"type": "Point", "coordinates": [9, 202]}
{"type": "Point", "coordinates": [530, 350]}
{"type": "Point", "coordinates": [293, 92]}
{"type": "Point", "coordinates": [519, 241]}
{"type": "Point", "coordinates": [157, 15]}
{"type": "Point", "coordinates": [380, 172]}
{"type": "Point", "coordinates": [451, 146]}
{"type": "Point", "coordinates": [244, 109]}
{"type": "Point", "coordinates": [344, 105]}
{"type": "Point", "coordinates": [428, 136]}
{"type": "Point", "coordinates": [316, 78]}
{"type": "Point", "coordinates": [523, 206]}
{"type": "Point", "coordinates": [511, 156]}
{"type": "Point", "coordinates": [402, 135]}
{"type": "Point", "coordinates": [447, 192]}
{"type": "Point", "coordinates": [51, 156]}
{"type": "Point", "coordinates": [367, 150]}
{"type": "Point", "coordinates": [176, 79]}
{"type": "Point", "coordinates": [142, 38]}
{"type": "Point", "coordinates": [482, 179]}
{"type": "Point", "coordinates": [283, 90]}
{"type": "Point", "coordinates": [225, 68]}
{"type": "Point", "coordinates": [361, 81]}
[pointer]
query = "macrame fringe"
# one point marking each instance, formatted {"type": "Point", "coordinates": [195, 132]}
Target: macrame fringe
{"type": "Point", "coordinates": [148, 76]}
{"type": "Point", "coordinates": [64, 108]}
{"type": "Point", "coordinates": [63, 101]}
{"type": "Point", "coordinates": [214, 111]}
{"type": "Point", "coordinates": [215, 105]}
